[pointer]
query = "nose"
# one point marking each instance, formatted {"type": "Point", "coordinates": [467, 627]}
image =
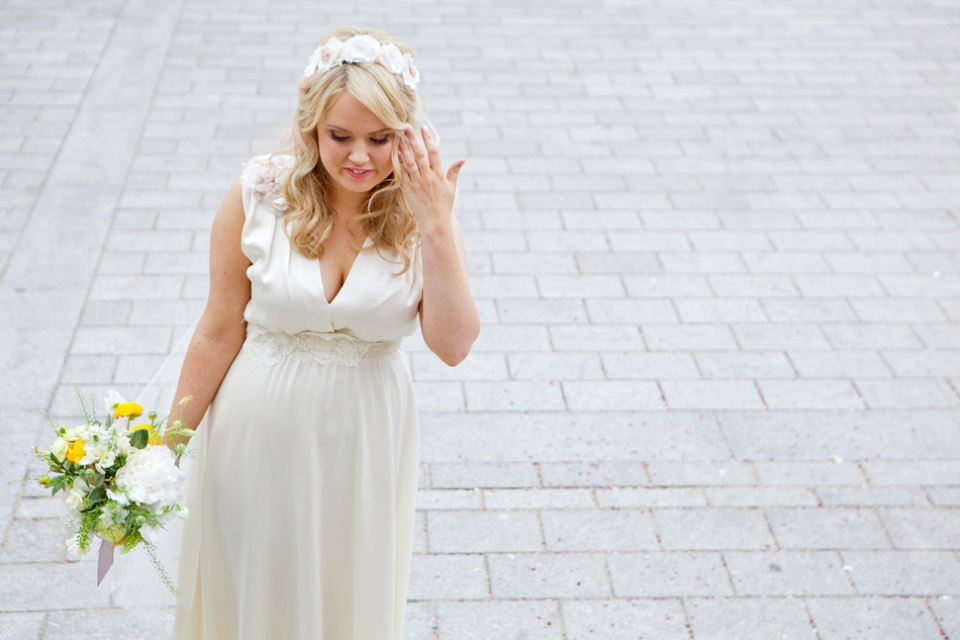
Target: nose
{"type": "Point", "coordinates": [358, 153]}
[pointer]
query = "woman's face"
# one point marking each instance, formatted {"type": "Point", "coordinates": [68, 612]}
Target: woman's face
{"type": "Point", "coordinates": [355, 146]}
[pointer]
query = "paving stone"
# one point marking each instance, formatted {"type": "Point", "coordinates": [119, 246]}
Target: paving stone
{"type": "Point", "coordinates": [741, 618]}
{"type": "Point", "coordinates": [108, 624]}
{"type": "Point", "coordinates": [872, 496]}
{"type": "Point", "coordinates": [827, 528]}
{"type": "Point", "coordinates": [28, 587]}
{"type": "Point", "coordinates": [624, 619]}
{"type": "Point", "coordinates": [525, 620]}
{"type": "Point", "coordinates": [645, 366]}
{"type": "Point", "coordinates": [625, 473]}
{"type": "Point", "coordinates": [761, 497]}
{"type": "Point", "coordinates": [576, 530]}
{"type": "Point", "coordinates": [908, 472]}
{"type": "Point", "coordinates": [810, 394]}
{"type": "Point", "coordinates": [944, 496]}
{"type": "Point", "coordinates": [575, 575]}
{"type": "Point", "coordinates": [711, 394]}
{"type": "Point", "coordinates": [513, 396]}
{"type": "Point", "coordinates": [947, 611]}
{"type": "Point", "coordinates": [455, 576]}
{"type": "Point", "coordinates": [431, 500]}
{"type": "Point", "coordinates": [537, 499]}
{"type": "Point", "coordinates": [922, 528]}
{"type": "Point", "coordinates": [616, 497]}
{"type": "Point", "coordinates": [838, 364]}
{"type": "Point", "coordinates": [561, 366]}
{"type": "Point", "coordinates": [710, 529]}
{"type": "Point", "coordinates": [874, 618]}
{"type": "Point", "coordinates": [419, 622]}
{"type": "Point", "coordinates": [744, 364]}
{"type": "Point", "coordinates": [35, 541]}
{"type": "Point", "coordinates": [668, 573]}
{"type": "Point", "coordinates": [701, 472]}
{"type": "Point", "coordinates": [908, 394]}
{"type": "Point", "coordinates": [660, 337]}
{"type": "Point", "coordinates": [904, 573]}
{"type": "Point", "coordinates": [809, 472]}
{"type": "Point", "coordinates": [478, 531]}
{"type": "Point", "coordinates": [612, 395]}
{"type": "Point", "coordinates": [21, 626]}
{"type": "Point", "coordinates": [482, 474]}
{"type": "Point", "coordinates": [786, 573]}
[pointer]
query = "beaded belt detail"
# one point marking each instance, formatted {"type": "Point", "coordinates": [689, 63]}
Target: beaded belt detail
{"type": "Point", "coordinates": [272, 347]}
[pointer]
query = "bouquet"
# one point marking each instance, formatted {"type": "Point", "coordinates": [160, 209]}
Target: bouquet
{"type": "Point", "coordinates": [119, 481]}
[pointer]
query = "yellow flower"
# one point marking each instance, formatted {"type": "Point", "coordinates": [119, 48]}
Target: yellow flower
{"type": "Point", "coordinates": [127, 410]}
{"type": "Point", "coordinates": [75, 451]}
{"type": "Point", "coordinates": [154, 438]}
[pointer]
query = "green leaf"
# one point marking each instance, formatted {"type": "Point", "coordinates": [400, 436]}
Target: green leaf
{"type": "Point", "coordinates": [97, 495]}
{"type": "Point", "coordinates": [139, 438]}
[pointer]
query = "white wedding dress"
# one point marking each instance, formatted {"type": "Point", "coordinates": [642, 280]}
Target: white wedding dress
{"type": "Point", "coordinates": [301, 519]}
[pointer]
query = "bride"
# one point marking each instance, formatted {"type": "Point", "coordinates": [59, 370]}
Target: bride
{"type": "Point", "coordinates": [323, 256]}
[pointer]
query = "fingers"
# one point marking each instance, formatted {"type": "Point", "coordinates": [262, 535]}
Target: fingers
{"type": "Point", "coordinates": [433, 152]}
{"type": "Point", "coordinates": [418, 151]}
{"type": "Point", "coordinates": [407, 159]}
{"type": "Point", "coordinates": [454, 171]}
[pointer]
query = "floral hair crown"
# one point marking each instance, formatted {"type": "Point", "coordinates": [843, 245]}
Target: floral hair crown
{"type": "Point", "coordinates": [363, 48]}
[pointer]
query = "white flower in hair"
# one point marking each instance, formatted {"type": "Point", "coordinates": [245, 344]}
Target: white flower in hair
{"type": "Point", "coordinates": [392, 59]}
{"type": "Point", "coordinates": [361, 48]}
{"type": "Point", "coordinates": [410, 74]}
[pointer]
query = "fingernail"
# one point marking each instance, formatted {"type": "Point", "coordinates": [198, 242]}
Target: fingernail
{"type": "Point", "coordinates": [424, 130]}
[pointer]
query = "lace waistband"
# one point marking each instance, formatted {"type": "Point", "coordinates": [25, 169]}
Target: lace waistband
{"type": "Point", "coordinates": [272, 347]}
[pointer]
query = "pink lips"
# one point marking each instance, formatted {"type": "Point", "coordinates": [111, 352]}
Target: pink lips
{"type": "Point", "coordinates": [359, 176]}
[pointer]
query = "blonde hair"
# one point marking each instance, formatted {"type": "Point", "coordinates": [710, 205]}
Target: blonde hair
{"type": "Point", "coordinates": [387, 218]}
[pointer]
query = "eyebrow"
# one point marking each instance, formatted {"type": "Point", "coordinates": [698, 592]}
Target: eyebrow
{"type": "Point", "coordinates": [373, 133]}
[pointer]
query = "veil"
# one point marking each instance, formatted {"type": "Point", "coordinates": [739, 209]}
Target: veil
{"type": "Point", "coordinates": [133, 580]}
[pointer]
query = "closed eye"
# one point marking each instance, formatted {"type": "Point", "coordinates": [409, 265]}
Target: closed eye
{"type": "Point", "coordinates": [337, 138]}
{"type": "Point", "coordinates": [382, 140]}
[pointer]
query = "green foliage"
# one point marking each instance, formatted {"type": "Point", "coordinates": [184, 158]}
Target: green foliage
{"type": "Point", "coordinates": [139, 438]}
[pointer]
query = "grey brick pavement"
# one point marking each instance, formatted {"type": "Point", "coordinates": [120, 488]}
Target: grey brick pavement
{"type": "Point", "coordinates": [715, 246]}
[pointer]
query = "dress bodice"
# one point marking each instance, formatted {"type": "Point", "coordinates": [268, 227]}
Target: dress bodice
{"type": "Point", "coordinates": [375, 303]}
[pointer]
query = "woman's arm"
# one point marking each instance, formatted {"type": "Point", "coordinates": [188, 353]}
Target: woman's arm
{"type": "Point", "coordinates": [220, 331]}
{"type": "Point", "coordinates": [448, 316]}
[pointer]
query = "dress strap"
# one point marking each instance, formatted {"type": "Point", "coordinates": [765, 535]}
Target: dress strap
{"type": "Point", "coordinates": [272, 347]}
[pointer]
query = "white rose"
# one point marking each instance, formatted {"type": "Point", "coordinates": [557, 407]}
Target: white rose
{"type": "Point", "coordinates": [360, 49]}
{"type": "Point", "coordinates": [59, 448]}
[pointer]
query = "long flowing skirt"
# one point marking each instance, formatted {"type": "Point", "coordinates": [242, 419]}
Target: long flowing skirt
{"type": "Point", "coordinates": [302, 523]}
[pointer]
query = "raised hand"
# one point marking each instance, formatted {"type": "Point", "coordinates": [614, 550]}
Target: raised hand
{"type": "Point", "coordinates": [429, 190]}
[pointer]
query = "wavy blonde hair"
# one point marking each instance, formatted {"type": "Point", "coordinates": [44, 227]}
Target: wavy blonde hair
{"type": "Point", "coordinates": [387, 218]}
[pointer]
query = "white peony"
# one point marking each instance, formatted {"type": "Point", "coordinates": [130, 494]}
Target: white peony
{"type": "Point", "coordinates": [59, 448]}
{"type": "Point", "coordinates": [150, 477]}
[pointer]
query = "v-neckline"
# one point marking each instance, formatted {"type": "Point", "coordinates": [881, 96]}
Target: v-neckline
{"type": "Point", "coordinates": [346, 278]}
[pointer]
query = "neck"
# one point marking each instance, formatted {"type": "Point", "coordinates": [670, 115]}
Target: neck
{"type": "Point", "coordinates": [346, 202]}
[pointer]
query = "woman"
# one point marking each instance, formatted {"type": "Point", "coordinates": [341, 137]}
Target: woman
{"type": "Point", "coordinates": [321, 260]}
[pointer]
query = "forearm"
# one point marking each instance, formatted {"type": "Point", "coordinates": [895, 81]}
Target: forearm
{"type": "Point", "coordinates": [207, 361]}
{"type": "Point", "coordinates": [448, 314]}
